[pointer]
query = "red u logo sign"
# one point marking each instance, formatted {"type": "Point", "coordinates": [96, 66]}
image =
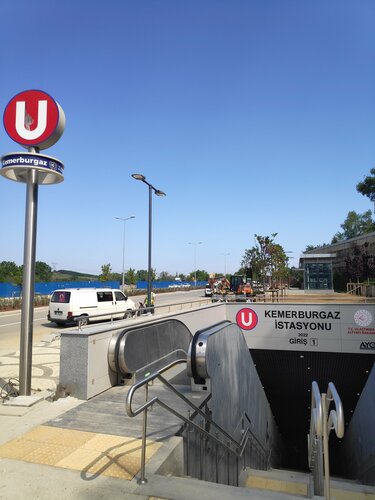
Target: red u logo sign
{"type": "Point", "coordinates": [33, 119]}
{"type": "Point", "coordinates": [246, 318]}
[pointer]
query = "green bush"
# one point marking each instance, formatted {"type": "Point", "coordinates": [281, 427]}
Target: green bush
{"type": "Point", "coordinates": [8, 304]}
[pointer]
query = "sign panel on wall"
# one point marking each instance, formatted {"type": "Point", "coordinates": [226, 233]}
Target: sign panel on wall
{"type": "Point", "coordinates": [318, 327]}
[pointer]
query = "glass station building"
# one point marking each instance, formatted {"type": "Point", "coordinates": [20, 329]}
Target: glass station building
{"type": "Point", "coordinates": [317, 272]}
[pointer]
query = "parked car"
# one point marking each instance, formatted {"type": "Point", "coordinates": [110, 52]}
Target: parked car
{"type": "Point", "coordinates": [78, 305]}
{"type": "Point", "coordinates": [208, 291]}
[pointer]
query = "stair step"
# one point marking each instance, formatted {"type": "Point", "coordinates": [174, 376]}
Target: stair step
{"type": "Point", "coordinates": [290, 482]}
{"type": "Point", "coordinates": [297, 483]}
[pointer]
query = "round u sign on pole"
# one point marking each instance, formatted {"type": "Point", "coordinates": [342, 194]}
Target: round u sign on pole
{"type": "Point", "coordinates": [33, 119]}
{"type": "Point", "coordinates": [36, 121]}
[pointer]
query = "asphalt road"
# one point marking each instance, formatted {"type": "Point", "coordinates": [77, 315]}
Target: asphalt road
{"type": "Point", "coordinates": [10, 321]}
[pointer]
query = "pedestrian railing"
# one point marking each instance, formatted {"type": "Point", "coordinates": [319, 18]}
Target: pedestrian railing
{"type": "Point", "coordinates": [208, 430]}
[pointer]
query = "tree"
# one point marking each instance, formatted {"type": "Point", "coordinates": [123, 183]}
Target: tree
{"type": "Point", "coordinates": [18, 276]}
{"type": "Point", "coordinates": [165, 276]}
{"type": "Point", "coordinates": [8, 271]}
{"type": "Point", "coordinates": [201, 275]}
{"type": "Point", "coordinates": [106, 272]}
{"type": "Point", "coordinates": [367, 186]}
{"type": "Point", "coordinates": [266, 258]}
{"type": "Point", "coordinates": [279, 263]}
{"type": "Point", "coordinates": [142, 275]}
{"type": "Point", "coordinates": [355, 225]}
{"type": "Point", "coordinates": [310, 248]}
{"type": "Point", "coordinates": [356, 264]}
{"type": "Point", "coordinates": [116, 277]}
{"type": "Point", "coordinates": [130, 276]}
{"type": "Point", "coordinates": [43, 272]}
{"type": "Point", "coordinates": [296, 277]}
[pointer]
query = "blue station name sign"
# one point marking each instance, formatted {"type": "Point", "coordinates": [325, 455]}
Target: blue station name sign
{"type": "Point", "coordinates": [15, 166]}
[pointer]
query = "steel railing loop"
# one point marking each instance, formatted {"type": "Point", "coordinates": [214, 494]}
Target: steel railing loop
{"type": "Point", "coordinates": [227, 442]}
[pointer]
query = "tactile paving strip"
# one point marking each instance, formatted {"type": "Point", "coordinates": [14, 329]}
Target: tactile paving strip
{"type": "Point", "coordinates": [90, 453]}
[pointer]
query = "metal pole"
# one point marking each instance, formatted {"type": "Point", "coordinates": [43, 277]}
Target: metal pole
{"type": "Point", "coordinates": [142, 479]}
{"type": "Point", "coordinates": [27, 313]}
{"type": "Point", "coordinates": [195, 260]}
{"type": "Point", "coordinates": [195, 265]}
{"type": "Point", "coordinates": [123, 257]}
{"type": "Point", "coordinates": [225, 264]}
{"type": "Point", "coordinates": [142, 178]}
{"type": "Point", "coordinates": [149, 278]}
{"type": "Point", "coordinates": [123, 247]}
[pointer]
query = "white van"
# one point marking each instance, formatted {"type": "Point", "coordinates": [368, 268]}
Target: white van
{"type": "Point", "coordinates": [73, 305]}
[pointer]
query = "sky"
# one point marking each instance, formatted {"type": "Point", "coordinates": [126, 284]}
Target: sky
{"type": "Point", "coordinates": [253, 116]}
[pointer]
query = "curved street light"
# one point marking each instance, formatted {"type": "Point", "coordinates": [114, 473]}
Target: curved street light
{"type": "Point", "coordinates": [142, 178]}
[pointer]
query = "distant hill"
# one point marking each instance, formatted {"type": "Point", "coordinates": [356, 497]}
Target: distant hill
{"type": "Point", "coordinates": [66, 275]}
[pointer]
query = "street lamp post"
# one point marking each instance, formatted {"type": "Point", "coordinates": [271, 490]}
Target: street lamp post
{"type": "Point", "coordinates": [195, 260]}
{"type": "Point", "coordinates": [123, 247]}
{"type": "Point", "coordinates": [142, 178]}
{"type": "Point", "coordinates": [225, 264]}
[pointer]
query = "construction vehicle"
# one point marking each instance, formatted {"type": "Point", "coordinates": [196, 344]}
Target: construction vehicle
{"type": "Point", "coordinates": [237, 289]}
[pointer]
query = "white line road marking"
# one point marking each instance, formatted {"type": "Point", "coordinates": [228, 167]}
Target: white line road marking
{"type": "Point", "coordinates": [19, 322]}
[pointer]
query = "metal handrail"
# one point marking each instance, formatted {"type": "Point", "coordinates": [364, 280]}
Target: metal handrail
{"type": "Point", "coordinates": [334, 421]}
{"type": "Point", "coordinates": [238, 448]}
{"type": "Point", "coordinates": [321, 424]}
{"type": "Point", "coordinates": [336, 416]}
{"type": "Point", "coordinates": [157, 375]}
{"type": "Point", "coordinates": [316, 409]}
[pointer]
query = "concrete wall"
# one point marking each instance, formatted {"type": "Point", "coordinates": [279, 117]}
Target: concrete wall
{"type": "Point", "coordinates": [84, 369]}
{"type": "Point", "coordinates": [358, 452]}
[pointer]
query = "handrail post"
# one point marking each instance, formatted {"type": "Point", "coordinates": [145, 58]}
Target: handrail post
{"type": "Point", "coordinates": [325, 448]}
{"type": "Point", "coordinates": [188, 445]}
{"type": "Point", "coordinates": [142, 479]}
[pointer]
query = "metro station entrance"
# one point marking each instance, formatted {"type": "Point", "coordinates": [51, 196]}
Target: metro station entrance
{"type": "Point", "coordinates": [287, 377]}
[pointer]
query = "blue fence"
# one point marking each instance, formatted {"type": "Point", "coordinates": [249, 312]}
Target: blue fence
{"type": "Point", "coordinates": [168, 284]}
{"type": "Point", "coordinates": [8, 290]}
